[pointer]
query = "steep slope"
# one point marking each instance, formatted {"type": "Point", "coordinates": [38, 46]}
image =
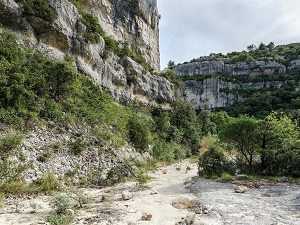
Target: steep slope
{"type": "Point", "coordinates": [60, 63]}
{"type": "Point", "coordinates": [104, 37]}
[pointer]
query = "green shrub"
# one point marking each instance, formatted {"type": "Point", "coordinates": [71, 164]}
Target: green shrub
{"type": "Point", "coordinates": [56, 219]}
{"type": "Point", "coordinates": [40, 8]}
{"type": "Point", "coordinates": [226, 177]}
{"type": "Point", "coordinates": [115, 175]}
{"type": "Point", "coordinates": [139, 134]}
{"type": "Point", "coordinates": [163, 152]}
{"type": "Point", "coordinates": [1, 200]}
{"type": "Point", "coordinates": [60, 204]}
{"type": "Point", "coordinates": [78, 146]}
{"type": "Point", "coordinates": [49, 183]}
{"type": "Point", "coordinates": [52, 110]}
{"type": "Point", "coordinates": [103, 197]}
{"type": "Point", "coordinates": [93, 29]}
{"type": "Point", "coordinates": [15, 188]}
{"type": "Point", "coordinates": [79, 198]}
{"type": "Point", "coordinates": [180, 152]}
{"type": "Point", "coordinates": [212, 163]}
{"type": "Point", "coordinates": [11, 171]}
{"type": "Point", "coordinates": [9, 145]}
{"type": "Point", "coordinates": [141, 177]}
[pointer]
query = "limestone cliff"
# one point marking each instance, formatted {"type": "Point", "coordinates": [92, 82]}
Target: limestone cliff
{"type": "Point", "coordinates": [221, 68]}
{"type": "Point", "coordinates": [63, 32]}
{"type": "Point", "coordinates": [214, 93]}
{"type": "Point", "coordinates": [218, 82]}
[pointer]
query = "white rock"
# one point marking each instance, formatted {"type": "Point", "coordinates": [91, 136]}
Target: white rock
{"type": "Point", "coordinates": [189, 219]}
{"type": "Point", "coordinates": [70, 212]}
{"type": "Point", "coordinates": [240, 189]}
{"type": "Point", "coordinates": [126, 195]}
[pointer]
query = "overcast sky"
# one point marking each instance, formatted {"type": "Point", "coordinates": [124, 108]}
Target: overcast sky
{"type": "Point", "coordinates": [193, 28]}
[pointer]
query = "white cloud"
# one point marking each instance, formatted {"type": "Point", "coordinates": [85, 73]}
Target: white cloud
{"type": "Point", "coordinates": [192, 28]}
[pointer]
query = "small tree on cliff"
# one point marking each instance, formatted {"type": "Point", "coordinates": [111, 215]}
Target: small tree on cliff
{"type": "Point", "coordinates": [171, 64]}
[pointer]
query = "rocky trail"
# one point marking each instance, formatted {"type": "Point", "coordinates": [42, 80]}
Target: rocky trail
{"type": "Point", "coordinates": [175, 195]}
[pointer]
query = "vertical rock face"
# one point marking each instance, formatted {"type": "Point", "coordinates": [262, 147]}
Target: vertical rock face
{"type": "Point", "coordinates": [213, 93]}
{"type": "Point", "coordinates": [206, 94]}
{"type": "Point", "coordinates": [221, 68]}
{"type": "Point", "coordinates": [217, 91]}
{"type": "Point", "coordinates": [131, 21]}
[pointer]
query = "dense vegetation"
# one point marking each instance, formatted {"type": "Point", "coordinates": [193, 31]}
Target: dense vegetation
{"type": "Point", "coordinates": [258, 136]}
{"type": "Point", "coordinates": [36, 90]}
{"type": "Point", "coordinates": [244, 144]}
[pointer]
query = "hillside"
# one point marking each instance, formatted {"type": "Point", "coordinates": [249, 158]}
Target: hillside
{"type": "Point", "coordinates": [255, 82]}
{"type": "Point", "coordinates": [77, 106]}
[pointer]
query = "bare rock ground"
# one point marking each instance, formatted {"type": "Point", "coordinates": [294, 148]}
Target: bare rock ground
{"type": "Point", "coordinates": [175, 195]}
{"type": "Point", "coordinates": [268, 205]}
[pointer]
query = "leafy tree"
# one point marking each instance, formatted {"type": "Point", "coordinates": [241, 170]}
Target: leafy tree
{"type": "Point", "coordinates": [207, 126]}
{"type": "Point", "coordinates": [171, 64]}
{"type": "Point", "coordinates": [212, 163]}
{"type": "Point", "coordinates": [277, 133]}
{"type": "Point", "coordinates": [139, 133]}
{"type": "Point", "coordinates": [262, 46]}
{"type": "Point", "coordinates": [184, 118]}
{"type": "Point", "coordinates": [271, 46]}
{"type": "Point", "coordinates": [219, 119]}
{"type": "Point", "coordinates": [251, 47]}
{"type": "Point", "coordinates": [242, 133]}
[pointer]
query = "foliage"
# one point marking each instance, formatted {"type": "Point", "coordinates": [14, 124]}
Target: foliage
{"type": "Point", "coordinates": [226, 177]}
{"type": "Point", "coordinates": [40, 8]}
{"type": "Point", "coordinates": [184, 118]}
{"type": "Point", "coordinates": [169, 151]}
{"type": "Point", "coordinates": [139, 133]}
{"type": "Point", "coordinates": [56, 219]}
{"type": "Point", "coordinates": [267, 146]}
{"type": "Point", "coordinates": [163, 152]}
{"type": "Point", "coordinates": [278, 151]}
{"type": "Point", "coordinates": [171, 64]}
{"type": "Point", "coordinates": [212, 163]}
{"type": "Point", "coordinates": [49, 182]}
{"type": "Point", "coordinates": [93, 30]}
{"type": "Point", "coordinates": [15, 187]}
{"type": "Point", "coordinates": [171, 76]}
{"type": "Point", "coordinates": [141, 177]}
{"type": "Point", "coordinates": [60, 203]}
{"type": "Point", "coordinates": [78, 146]}
{"type": "Point", "coordinates": [79, 198]}
{"type": "Point", "coordinates": [115, 175]}
{"type": "Point", "coordinates": [1, 200]}
{"type": "Point", "coordinates": [242, 133]}
{"type": "Point", "coordinates": [10, 171]}
{"type": "Point", "coordinates": [208, 142]}
{"type": "Point", "coordinates": [9, 145]}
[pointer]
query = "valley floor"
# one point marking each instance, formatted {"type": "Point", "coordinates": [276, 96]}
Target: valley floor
{"type": "Point", "coordinates": [173, 196]}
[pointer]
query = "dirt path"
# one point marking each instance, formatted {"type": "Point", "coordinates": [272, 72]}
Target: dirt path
{"type": "Point", "coordinates": [167, 185]}
{"type": "Point", "coordinates": [217, 203]}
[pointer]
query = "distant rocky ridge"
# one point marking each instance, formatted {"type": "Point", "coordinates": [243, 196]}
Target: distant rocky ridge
{"type": "Point", "coordinates": [209, 93]}
{"type": "Point", "coordinates": [135, 22]}
{"type": "Point", "coordinates": [221, 68]}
